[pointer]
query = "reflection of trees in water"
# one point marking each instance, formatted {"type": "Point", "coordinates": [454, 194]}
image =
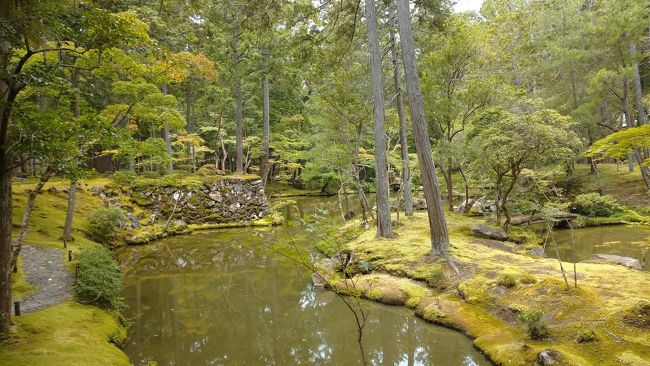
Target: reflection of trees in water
{"type": "Point", "coordinates": [234, 304]}
{"type": "Point", "coordinates": [265, 318]}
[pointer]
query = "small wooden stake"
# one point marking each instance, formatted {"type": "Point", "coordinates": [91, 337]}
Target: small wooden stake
{"type": "Point", "coordinates": [65, 243]}
{"type": "Point", "coordinates": [69, 255]}
{"type": "Point", "coordinates": [76, 270]}
{"type": "Point", "coordinates": [17, 307]}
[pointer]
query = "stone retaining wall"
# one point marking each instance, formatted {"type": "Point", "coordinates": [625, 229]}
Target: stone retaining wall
{"type": "Point", "coordinates": [222, 201]}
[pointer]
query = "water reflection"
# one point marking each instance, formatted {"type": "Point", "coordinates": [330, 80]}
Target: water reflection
{"type": "Point", "coordinates": [226, 302]}
{"type": "Point", "coordinates": [627, 241]}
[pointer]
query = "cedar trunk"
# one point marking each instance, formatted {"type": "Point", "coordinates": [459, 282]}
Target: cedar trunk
{"type": "Point", "coordinates": [403, 142]}
{"type": "Point", "coordinates": [266, 129]}
{"type": "Point", "coordinates": [437, 222]}
{"type": "Point", "coordinates": [239, 110]}
{"type": "Point", "coordinates": [384, 228]}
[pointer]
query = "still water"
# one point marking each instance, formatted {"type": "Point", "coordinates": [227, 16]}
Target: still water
{"type": "Point", "coordinates": [216, 298]}
{"type": "Point", "coordinates": [625, 240]}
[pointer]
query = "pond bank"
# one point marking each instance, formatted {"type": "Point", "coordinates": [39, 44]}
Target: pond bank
{"type": "Point", "coordinates": [479, 304]}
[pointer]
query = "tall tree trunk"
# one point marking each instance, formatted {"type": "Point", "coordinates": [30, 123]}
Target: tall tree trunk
{"type": "Point", "coordinates": [384, 227]}
{"type": "Point", "coordinates": [24, 227]}
{"type": "Point", "coordinates": [239, 110]}
{"type": "Point", "coordinates": [450, 184]}
{"type": "Point", "coordinates": [165, 136]}
{"type": "Point", "coordinates": [641, 113]}
{"type": "Point", "coordinates": [189, 121]}
{"type": "Point", "coordinates": [437, 222]}
{"type": "Point", "coordinates": [72, 199]}
{"type": "Point", "coordinates": [266, 127]}
{"type": "Point", "coordinates": [5, 242]}
{"type": "Point", "coordinates": [8, 95]}
{"type": "Point", "coordinates": [72, 191]}
{"type": "Point", "coordinates": [403, 142]}
{"type": "Point", "coordinates": [627, 110]}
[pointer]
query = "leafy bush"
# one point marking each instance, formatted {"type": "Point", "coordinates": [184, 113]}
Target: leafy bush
{"type": "Point", "coordinates": [99, 279]}
{"type": "Point", "coordinates": [534, 322]}
{"type": "Point", "coordinates": [327, 246]}
{"type": "Point", "coordinates": [125, 177]}
{"type": "Point", "coordinates": [586, 336]}
{"type": "Point", "coordinates": [507, 280]}
{"type": "Point", "coordinates": [437, 280]}
{"type": "Point", "coordinates": [104, 225]}
{"type": "Point", "coordinates": [527, 278]}
{"type": "Point", "coordinates": [595, 205]}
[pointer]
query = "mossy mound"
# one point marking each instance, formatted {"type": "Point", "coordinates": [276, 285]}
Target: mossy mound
{"type": "Point", "coordinates": [479, 303]}
{"type": "Point", "coordinates": [65, 334]}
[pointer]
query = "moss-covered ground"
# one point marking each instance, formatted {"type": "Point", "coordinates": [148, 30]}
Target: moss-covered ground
{"type": "Point", "coordinates": [65, 334]}
{"type": "Point", "coordinates": [70, 333]}
{"type": "Point", "coordinates": [615, 180]}
{"type": "Point", "coordinates": [475, 302]}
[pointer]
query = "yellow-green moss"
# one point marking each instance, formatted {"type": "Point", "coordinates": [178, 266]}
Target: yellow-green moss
{"type": "Point", "coordinates": [64, 334]}
{"type": "Point", "coordinates": [478, 307]}
{"type": "Point", "coordinates": [19, 285]}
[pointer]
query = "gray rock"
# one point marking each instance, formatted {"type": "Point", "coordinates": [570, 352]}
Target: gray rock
{"type": "Point", "coordinates": [549, 356]}
{"type": "Point", "coordinates": [616, 259]}
{"type": "Point", "coordinates": [538, 252]}
{"type": "Point", "coordinates": [489, 232]}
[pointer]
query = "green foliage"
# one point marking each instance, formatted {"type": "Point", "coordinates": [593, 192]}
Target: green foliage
{"type": "Point", "coordinates": [437, 279]}
{"type": "Point", "coordinates": [125, 177]}
{"type": "Point", "coordinates": [595, 205]}
{"type": "Point", "coordinates": [621, 143]}
{"type": "Point", "coordinates": [534, 322]}
{"type": "Point", "coordinates": [585, 336]}
{"type": "Point", "coordinates": [327, 246]}
{"type": "Point", "coordinates": [527, 278]}
{"type": "Point", "coordinates": [99, 279]}
{"type": "Point", "coordinates": [507, 280]}
{"type": "Point", "coordinates": [104, 225]}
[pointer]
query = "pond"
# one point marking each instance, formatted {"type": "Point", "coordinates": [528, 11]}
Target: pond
{"type": "Point", "coordinates": [624, 240]}
{"type": "Point", "coordinates": [216, 298]}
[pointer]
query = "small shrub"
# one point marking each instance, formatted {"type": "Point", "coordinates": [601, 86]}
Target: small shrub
{"type": "Point", "coordinates": [527, 278]}
{"type": "Point", "coordinates": [586, 336]}
{"type": "Point", "coordinates": [104, 225]}
{"type": "Point", "coordinates": [125, 177]}
{"type": "Point", "coordinates": [534, 322]}
{"type": "Point", "coordinates": [327, 246]}
{"type": "Point", "coordinates": [507, 280]}
{"type": "Point", "coordinates": [99, 279]}
{"type": "Point", "coordinates": [437, 280]}
{"type": "Point", "coordinates": [595, 205]}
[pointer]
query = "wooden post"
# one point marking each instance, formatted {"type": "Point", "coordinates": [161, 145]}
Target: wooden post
{"type": "Point", "coordinates": [65, 243]}
{"type": "Point", "coordinates": [69, 255]}
{"type": "Point", "coordinates": [76, 270]}
{"type": "Point", "coordinates": [17, 308]}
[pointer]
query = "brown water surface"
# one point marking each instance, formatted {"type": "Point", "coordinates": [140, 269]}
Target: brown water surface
{"type": "Point", "coordinates": [216, 298]}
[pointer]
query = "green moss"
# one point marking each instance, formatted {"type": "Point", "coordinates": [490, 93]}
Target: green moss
{"type": "Point", "coordinates": [527, 278]}
{"type": "Point", "coordinates": [507, 280]}
{"type": "Point", "coordinates": [64, 334]}
{"type": "Point", "coordinates": [586, 335]}
{"type": "Point", "coordinates": [474, 305]}
{"type": "Point", "coordinates": [19, 285]}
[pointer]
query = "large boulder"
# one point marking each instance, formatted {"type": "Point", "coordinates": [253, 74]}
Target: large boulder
{"type": "Point", "coordinates": [489, 232]}
{"type": "Point", "coordinates": [616, 259]}
{"type": "Point", "coordinates": [549, 356]}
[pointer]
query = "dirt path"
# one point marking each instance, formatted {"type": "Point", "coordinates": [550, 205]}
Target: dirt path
{"type": "Point", "coordinates": [45, 270]}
